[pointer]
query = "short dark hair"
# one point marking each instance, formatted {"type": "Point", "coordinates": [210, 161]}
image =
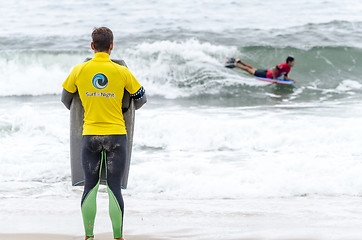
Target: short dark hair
{"type": "Point", "coordinates": [102, 38]}
{"type": "Point", "coordinates": [289, 59]}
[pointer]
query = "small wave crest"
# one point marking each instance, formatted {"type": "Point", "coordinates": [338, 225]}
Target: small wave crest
{"type": "Point", "coordinates": [35, 72]}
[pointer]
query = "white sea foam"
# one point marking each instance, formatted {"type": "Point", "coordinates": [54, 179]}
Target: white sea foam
{"type": "Point", "coordinates": [35, 73]}
{"type": "Point", "coordinates": [160, 66]}
{"type": "Point", "coordinates": [199, 153]}
{"type": "Point", "coordinates": [254, 154]}
{"type": "Point", "coordinates": [31, 140]}
{"type": "Point", "coordinates": [347, 85]}
{"type": "Point", "coordinates": [164, 65]}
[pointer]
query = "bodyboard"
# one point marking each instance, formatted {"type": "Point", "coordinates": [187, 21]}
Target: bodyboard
{"type": "Point", "coordinates": [279, 80]}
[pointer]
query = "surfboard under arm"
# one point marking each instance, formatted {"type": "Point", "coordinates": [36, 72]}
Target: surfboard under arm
{"type": "Point", "coordinates": [76, 129]}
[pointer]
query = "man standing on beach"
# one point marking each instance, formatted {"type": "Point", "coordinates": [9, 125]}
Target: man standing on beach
{"type": "Point", "coordinates": [104, 128]}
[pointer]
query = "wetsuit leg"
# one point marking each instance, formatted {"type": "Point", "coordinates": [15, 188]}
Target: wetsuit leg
{"type": "Point", "coordinates": [116, 152]}
{"type": "Point", "coordinates": [91, 162]}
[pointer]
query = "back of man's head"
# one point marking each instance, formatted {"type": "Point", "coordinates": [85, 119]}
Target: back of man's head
{"type": "Point", "coordinates": [102, 38]}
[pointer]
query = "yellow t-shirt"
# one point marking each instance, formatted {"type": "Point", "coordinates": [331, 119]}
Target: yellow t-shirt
{"type": "Point", "coordinates": [100, 84]}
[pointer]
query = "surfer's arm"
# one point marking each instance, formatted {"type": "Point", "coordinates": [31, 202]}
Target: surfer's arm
{"type": "Point", "coordinates": [139, 98]}
{"type": "Point", "coordinates": [273, 72]}
{"type": "Point", "coordinates": [67, 98]}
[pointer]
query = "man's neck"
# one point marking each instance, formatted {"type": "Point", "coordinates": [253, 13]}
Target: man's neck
{"type": "Point", "coordinates": [108, 52]}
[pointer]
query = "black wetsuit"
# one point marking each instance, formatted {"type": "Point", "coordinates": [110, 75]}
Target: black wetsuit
{"type": "Point", "coordinates": [260, 73]}
{"type": "Point", "coordinates": [110, 150]}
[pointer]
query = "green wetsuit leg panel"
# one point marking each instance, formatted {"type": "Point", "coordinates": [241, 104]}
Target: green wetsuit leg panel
{"type": "Point", "coordinates": [116, 214]}
{"type": "Point", "coordinates": [89, 211]}
{"type": "Point", "coordinates": [115, 158]}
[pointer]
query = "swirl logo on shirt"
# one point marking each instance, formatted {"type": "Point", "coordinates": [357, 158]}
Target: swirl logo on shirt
{"type": "Point", "coordinates": [100, 81]}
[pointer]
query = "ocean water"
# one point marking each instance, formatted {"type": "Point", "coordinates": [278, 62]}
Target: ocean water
{"type": "Point", "coordinates": [211, 138]}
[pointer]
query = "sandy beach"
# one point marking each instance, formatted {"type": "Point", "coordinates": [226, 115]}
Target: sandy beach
{"type": "Point", "coordinates": [255, 219]}
{"type": "Point", "coordinates": [34, 236]}
{"type": "Point", "coordinates": [104, 236]}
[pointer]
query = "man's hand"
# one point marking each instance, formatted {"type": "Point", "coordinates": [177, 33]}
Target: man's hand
{"type": "Point", "coordinates": [290, 79]}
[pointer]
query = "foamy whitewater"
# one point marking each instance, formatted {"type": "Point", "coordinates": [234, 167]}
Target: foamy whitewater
{"type": "Point", "coordinates": [216, 153]}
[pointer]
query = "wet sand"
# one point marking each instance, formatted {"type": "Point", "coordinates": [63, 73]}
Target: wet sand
{"type": "Point", "coordinates": [103, 236]}
{"type": "Point", "coordinates": [38, 236]}
{"type": "Point", "coordinates": [243, 219]}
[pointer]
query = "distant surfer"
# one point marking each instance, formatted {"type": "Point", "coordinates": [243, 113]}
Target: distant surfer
{"type": "Point", "coordinates": [100, 84]}
{"type": "Point", "coordinates": [274, 73]}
